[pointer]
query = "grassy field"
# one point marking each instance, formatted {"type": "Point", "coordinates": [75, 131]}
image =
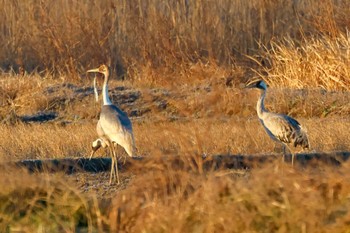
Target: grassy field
{"type": "Point", "coordinates": [179, 71]}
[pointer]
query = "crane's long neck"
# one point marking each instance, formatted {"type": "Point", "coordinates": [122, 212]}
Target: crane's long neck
{"type": "Point", "coordinates": [95, 90]}
{"type": "Point", "coordinates": [260, 108]}
{"type": "Point", "coordinates": [106, 100]}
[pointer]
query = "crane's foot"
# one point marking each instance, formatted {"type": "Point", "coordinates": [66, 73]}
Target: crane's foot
{"type": "Point", "coordinates": [122, 159]}
{"type": "Point", "coordinates": [114, 178]}
{"type": "Point", "coordinates": [114, 175]}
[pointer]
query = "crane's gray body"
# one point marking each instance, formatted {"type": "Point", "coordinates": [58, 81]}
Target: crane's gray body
{"type": "Point", "coordinates": [115, 126]}
{"type": "Point", "coordinates": [284, 129]}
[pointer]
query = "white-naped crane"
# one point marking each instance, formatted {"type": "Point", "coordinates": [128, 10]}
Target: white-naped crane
{"type": "Point", "coordinates": [114, 126]}
{"type": "Point", "coordinates": [279, 127]}
{"type": "Point", "coordinates": [102, 141]}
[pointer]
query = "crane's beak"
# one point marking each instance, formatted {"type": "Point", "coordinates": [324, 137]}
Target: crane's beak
{"type": "Point", "coordinates": [93, 71]}
{"type": "Point", "coordinates": [252, 84]}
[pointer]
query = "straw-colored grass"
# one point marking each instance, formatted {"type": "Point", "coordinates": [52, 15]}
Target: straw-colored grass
{"type": "Point", "coordinates": [314, 63]}
{"type": "Point", "coordinates": [178, 70]}
{"type": "Point", "coordinates": [272, 199]}
{"type": "Point", "coordinates": [202, 136]}
{"type": "Point", "coordinates": [199, 120]}
{"type": "Point", "coordinates": [143, 36]}
{"type": "Point", "coordinates": [31, 203]}
{"type": "Point", "coordinates": [275, 197]}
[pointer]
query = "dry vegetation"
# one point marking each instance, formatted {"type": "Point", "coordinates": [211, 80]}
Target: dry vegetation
{"type": "Point", "coordinates": [179, 68]}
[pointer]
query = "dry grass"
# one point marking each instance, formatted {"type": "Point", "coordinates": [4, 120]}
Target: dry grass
{"type": "Point", "coordinates": [49, 141]}
{"type": "Point", "coordinates": [30, 203]}
{"type": "Point", "coordinates": [203, 117]}
{"type": "Point", "coordinates": [275, 197]}
{"type": "Point", "coordinates": [315, 63]}
{"type": "Point", "coordinates": [180, 78]}
{"type": "Point", "coordinates": [216, 98]}
{"type": "Point", "coordinates": [272, 199]}
{"type": "Point", "coordinates": [191, 137]}
{"type": "Point", "coordinates": [143, 37]}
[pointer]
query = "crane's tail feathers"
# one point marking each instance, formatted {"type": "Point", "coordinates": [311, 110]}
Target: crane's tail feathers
{"type": "Point", "coordinates": [302, 140]}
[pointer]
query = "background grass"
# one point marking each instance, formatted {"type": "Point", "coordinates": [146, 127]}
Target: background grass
{"type": "Point", "coordinates": [152, 36]}
{"type": "Point", "coordinates": [179, 68]}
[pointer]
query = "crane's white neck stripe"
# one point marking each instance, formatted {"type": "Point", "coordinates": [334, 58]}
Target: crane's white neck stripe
{"type": "Point", "coordinates": [106, 100]}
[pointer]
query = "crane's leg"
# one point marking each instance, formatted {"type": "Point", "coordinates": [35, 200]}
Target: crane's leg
{"type": "Point", "coordinates": [292, 153]}
{"type": "Point", "coordinates": [116, 169]}
{"type": "Point", "coordinates": [284, 153]}
{"type": "Point", "coordinates": [115, 158]}
{"type": "Point", "coordinates": [112, 165]}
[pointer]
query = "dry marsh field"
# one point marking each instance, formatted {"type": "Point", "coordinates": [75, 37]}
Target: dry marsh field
{"type": "Point", "coordinates": [179, 69]}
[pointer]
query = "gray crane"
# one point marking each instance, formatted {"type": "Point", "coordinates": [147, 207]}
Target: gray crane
{"type": "Point", "coordinates": [279, 127]}
{"type": "Point", "coordinates": [114, 126]}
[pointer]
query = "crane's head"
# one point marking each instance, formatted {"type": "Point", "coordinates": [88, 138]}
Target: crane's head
{"type": "Point", "coordinates": [103, 69]}
{"type": "Point", "coordinates": [260, 84]}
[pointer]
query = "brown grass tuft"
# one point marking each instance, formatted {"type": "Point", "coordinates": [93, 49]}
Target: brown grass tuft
{"type": "Point", "coordinates": [61, 36]}
{"type": "Point", "coordinates": [314, 63]}
{"type": "Point", "coordinates": [274, 198]}
{"type": "Point", "coordinates": [31, 203]}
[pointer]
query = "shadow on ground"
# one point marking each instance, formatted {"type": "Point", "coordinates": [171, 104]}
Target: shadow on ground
{"type": "Point", "coordinates": [95, 165]}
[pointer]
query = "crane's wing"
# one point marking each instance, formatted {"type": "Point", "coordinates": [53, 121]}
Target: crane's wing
{"type": "Point", "coordinates": [113, 120]}
{"type": "Point", "coordinates": [285, 129]}
{"type": "Point", "coordinates": [117, 127]}
{"type": "Point", "coordinates": [99, 130]}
